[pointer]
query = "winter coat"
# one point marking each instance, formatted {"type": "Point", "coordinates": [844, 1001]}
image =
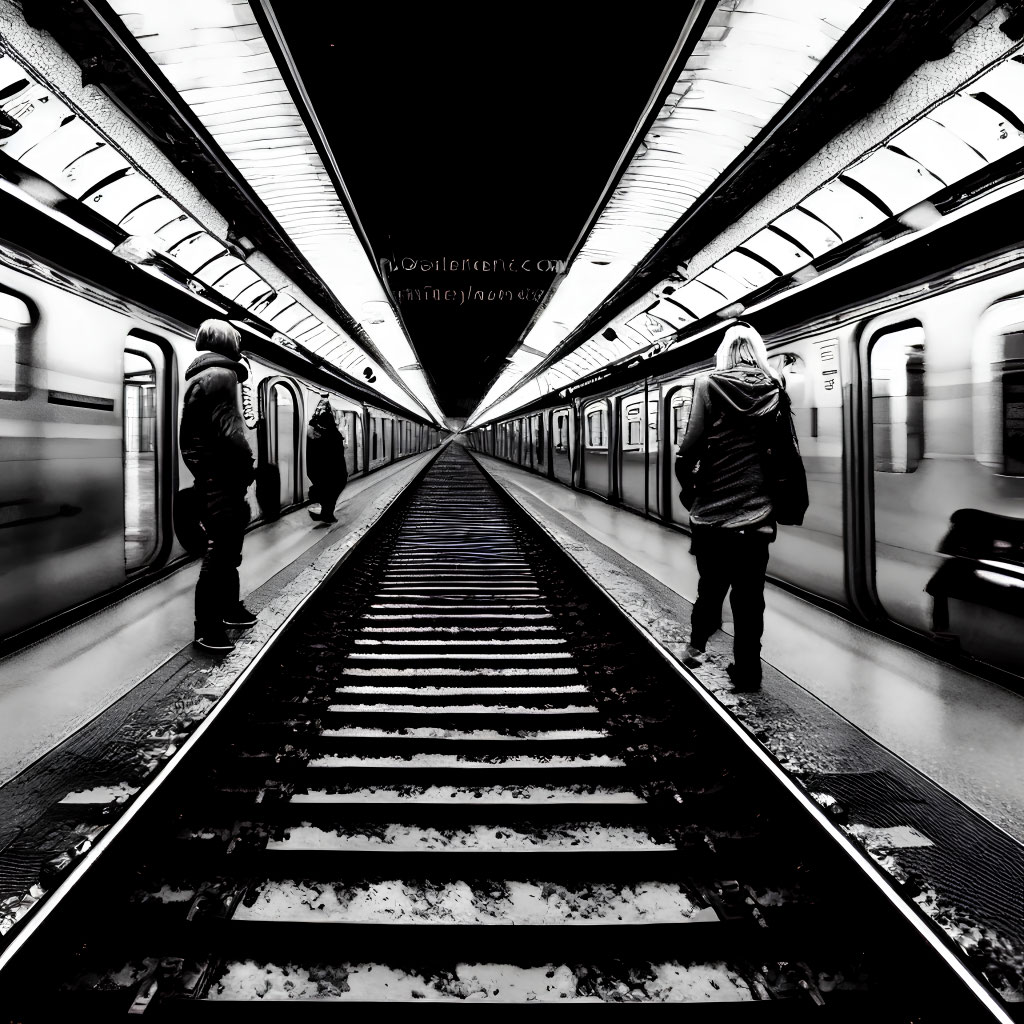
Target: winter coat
{"type": "Point", "coordinates": [325, 452]}
{"type": "Point", "coordinates": [729, 413]}
{"type": "Point", "coordinates": [212, 436]}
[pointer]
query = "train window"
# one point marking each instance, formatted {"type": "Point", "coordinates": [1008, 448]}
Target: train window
{"type": "Point", "coordinates": [538, 439]}
{"type": "Point", "coordinates": [14, 315]}
{"type": "Point", "coordinates": [561, 431]}
{"type": "Point", "coordinates": [682, 400]}
{"type": "Point", "coordinates": [632, 415]}
{"type": "Point", "coordinates": [998, 372]}
{"type": "Point", "coordinates": [373, 437]}
{"type": "Point", "coordinates": [140, 459]}
{"type": "Point", "coordinates": [284, 439]}
{"type": "Point", "coordinates": [596, 429]}
{"type": "Point", "coordinates": [1012, 407]}
{"type": "Point", "coordinates": [652, 422]}
{"type": "Point", "coordinates": [896, 362]}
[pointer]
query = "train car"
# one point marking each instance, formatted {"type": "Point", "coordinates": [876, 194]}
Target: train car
{"type": "Point", "coordinates": [91, 386]}
{"type": "Point", "coordinates": [906, 377]}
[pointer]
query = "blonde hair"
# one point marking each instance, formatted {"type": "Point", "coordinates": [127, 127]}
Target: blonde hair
{"type": "Point", "coordinates": [742, 344]}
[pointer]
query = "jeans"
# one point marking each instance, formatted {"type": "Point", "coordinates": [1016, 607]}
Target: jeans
{"type": "Point", "coordinates": [224, 517]}
{"type": "Point", "coordinates": [737, 559]}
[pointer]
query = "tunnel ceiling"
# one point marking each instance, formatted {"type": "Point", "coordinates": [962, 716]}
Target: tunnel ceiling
{"type": "Point", "coordinates": [471, 156]}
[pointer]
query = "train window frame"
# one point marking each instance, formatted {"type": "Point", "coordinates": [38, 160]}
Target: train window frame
{"type": "Point", "coordinates": [17, 320]}
{"type": "Point", "coordinates": [271, 441]}
{"type": "Point", "coordinates": [632, 418]}
{"type": "Point", "coordinates": [595, 409]}
{"type": "Point", "coordinates": [990, 367]}
{"type": "Point", "coordinates": [159, 352]}
{"type": "Point", "coordinates": [560, 440]}
{"type": "Point", "coordinates": [678, 430]}
{"type": "Point", "coordinates": [905, 457]}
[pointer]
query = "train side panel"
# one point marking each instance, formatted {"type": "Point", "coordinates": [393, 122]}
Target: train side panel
{"type": "Point", "coordinates": [943, 383]}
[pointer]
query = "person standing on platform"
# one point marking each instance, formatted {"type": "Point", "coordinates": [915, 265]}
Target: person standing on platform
{"type": "Point", "coordinates": [325, 461]}
{"type": "Point", "coordinates": [732, 521]}
{"type": "Point", "coordinates": [215, 448]}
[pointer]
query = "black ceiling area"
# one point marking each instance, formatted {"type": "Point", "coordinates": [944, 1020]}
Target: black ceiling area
{"type": "Point", "coordinates": [485, 138]}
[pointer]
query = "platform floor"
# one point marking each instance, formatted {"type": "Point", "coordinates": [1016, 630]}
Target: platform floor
{"type": "Point", "coordinates": [963, 732]}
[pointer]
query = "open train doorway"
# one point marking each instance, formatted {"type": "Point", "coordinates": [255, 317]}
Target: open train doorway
{"type": "Point", "coordinates": [144, 372]}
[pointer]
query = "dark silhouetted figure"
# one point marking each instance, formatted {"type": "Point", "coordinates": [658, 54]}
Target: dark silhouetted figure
{"type": "Point", "coordinates": [216, 450]}
{"type": "Point", "coordinates": [325, 461]}
{"type": "Point", "coordinates": [731, 516]}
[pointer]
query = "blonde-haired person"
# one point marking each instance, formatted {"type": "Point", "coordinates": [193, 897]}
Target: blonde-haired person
{"type": "Point", "coordinates": [731, 517]}
{"type": "Point", "coordinates": [215, 447]}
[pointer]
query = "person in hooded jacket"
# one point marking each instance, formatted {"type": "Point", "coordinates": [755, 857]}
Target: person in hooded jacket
{"type": "Point", "coordinates": [731, 518]}
{"type": "Point", "coordinates": [325, 461]}
{"type": "Point", "coordinates": [215, 448]}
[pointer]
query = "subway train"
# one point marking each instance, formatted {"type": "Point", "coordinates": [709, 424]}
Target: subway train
{"type": "Point", "coordinates": [92, 364]}
{"type": "Point", "coordinates": [905, 367]}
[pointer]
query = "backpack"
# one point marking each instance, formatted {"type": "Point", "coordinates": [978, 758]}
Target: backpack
{"type": "Point", "coordinates": [784, 468]}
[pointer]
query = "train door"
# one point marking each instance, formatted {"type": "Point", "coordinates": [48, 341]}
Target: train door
{"type": "Point", "coordinates": [812, 555]}
{"type": "Point", "coordinates": [561, 445]}
{"type": "Point", "coordinates": [145, 441]}
{"type": "Point", "coordinates": [539, 444]}
{"type": "Point", "coordinates": [350, 424]}
{"type": "Point", "coordinates": [654, 453]}
{"type": "Point", "coordinates": [677, 402]}
{"type": "Point", "coordinates": [596, 463]}
{"type": "Point", "coordinates": [947, 466]}
{"type": "Point", "coordinates": [284, 412]}
{"type": "Point", "coordinates": [359, 442]}
{"type": "Point", "coordinates": [632, 451]}
{"type": "Point", "coordinates": [517, 441]}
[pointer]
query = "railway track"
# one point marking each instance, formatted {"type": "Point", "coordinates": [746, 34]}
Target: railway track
{"type": "Point", "coordinates": [465, 779]}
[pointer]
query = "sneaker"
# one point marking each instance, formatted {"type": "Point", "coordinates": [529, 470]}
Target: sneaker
{"type": "Point", "coordinates": [743, 682]}
{"type": "Point", "coordinates": [213, 640]}
{"type": "Point", "coordinates": [241, 618]}
{"type": "Point", "coordinates": [693, 656]}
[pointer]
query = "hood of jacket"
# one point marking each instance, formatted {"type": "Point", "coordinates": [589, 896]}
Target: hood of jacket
{"type": "Point", "coordinates": [322, 420]}
{"type": "Point", "coordinates": [746, 390]}
{"type": "Point", "coordinates": [211, 359]}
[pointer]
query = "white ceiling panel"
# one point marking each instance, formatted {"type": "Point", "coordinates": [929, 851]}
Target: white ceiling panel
{"type": "Point", "coordinates": [843, 209]}
{"type": "Point", "coordinates": [780, 252]}
{"type": "Point", "coordinates": [897, 180]}
{"type": "Point", "coordinates": [196, 251]}
{"type": "Point", "coordinates": [746, 270]}
{"type": "Point", "coordinates": [981, 127]}
{"type": "Point", "coordinates": [214, 53]}
{"type": "Point", "coordinates": [118, 198]}
{"type": "Point", "coordinates": [810, 233]}
{"type": "Point", "coordinates": [720, 281]}
{"type": "Point", "coordinates": [750, 60]}
{"type": "Point", "coordinates": [934, 146]}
